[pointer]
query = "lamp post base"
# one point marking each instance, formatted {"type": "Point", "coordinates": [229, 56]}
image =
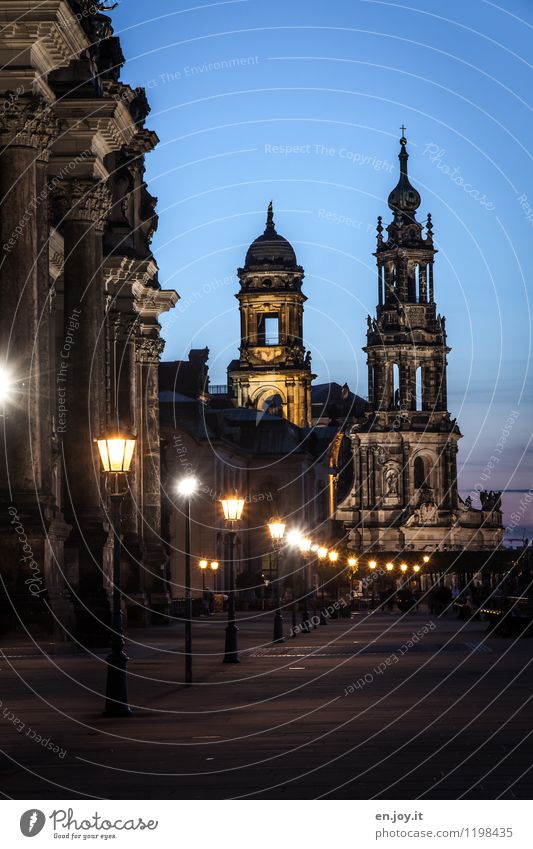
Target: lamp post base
{"type": "Point", "coordinates": [278, 628]}
{"type": "Point", "coordinates": [231, 649]}
{"type": "Point", "coordinates": [117, 685]}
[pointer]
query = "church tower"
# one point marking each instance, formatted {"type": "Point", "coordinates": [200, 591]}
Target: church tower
{"type": "Point", "coordinates": [405, 492]}
{"type": "Point", "coordinates": [273, 372]}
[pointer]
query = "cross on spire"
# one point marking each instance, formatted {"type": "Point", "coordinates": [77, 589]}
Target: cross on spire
{"type": "Point", "coordinates": [403, 129]}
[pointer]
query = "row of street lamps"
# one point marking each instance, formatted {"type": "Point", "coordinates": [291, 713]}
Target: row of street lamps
{"type": "Point", "coordinates": [116, 453]}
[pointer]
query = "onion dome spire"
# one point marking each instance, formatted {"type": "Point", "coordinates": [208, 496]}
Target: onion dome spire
{"type": "Point", "coordinates": [404, 198]}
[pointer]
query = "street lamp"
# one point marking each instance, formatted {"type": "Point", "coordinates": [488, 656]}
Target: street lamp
{"type": "Point", "coordinates": [352, 563]}
{"type": "Point", "coordinates": [214, 570]}
{"type": "Point", "coordinates": [232, 507]}
{"type": "Point", "coordinates": [416, 568]}
{"type": "Point", "coordinates": [322, 553]}
{"type": "Point", "coordinates": [276, 528]}
{"type": "Point", "coordinates": [116, 454]}
{"type": "Point", "coordinates": [294, 538]}
{"type": "Point", "coordinates": [305, 547]}
{"type": "Point", "coordinates": [203, 564]}
{"type": "Point", "coordinates": [187, 487]}
{"type": "Point", "coordinates": [6, 384]}
{"type": "Point", "coordinates": [389, 567]}
{"type": "Point", "coordinates": [425, 558]}
{"type": "Point", "coordinates": [333, 558]}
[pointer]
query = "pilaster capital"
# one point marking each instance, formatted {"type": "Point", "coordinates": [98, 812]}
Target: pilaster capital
{"type": "Point", "coordinates": [149, 349]}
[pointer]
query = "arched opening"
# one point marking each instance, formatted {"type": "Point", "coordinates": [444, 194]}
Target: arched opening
{"type": "Point", "coordinates": [273, 405]}
{"type": "Point", "coordinates": [395, 386]}
{"type": "Point", "coordinates": [268, 329]}
{"type": "Point", "coordinates": [418, 402]}
{"type": "Point", "coordinates": [419, 472]}
{"type": "Point", "coordinates": [268, 401]}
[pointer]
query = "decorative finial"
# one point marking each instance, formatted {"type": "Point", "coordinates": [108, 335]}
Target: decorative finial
{"type": "Point", "coordinates": [379, 228]}
{"type": "Point", "coordinates": [270, 217]}
{"type": "Point", "coordinates": [429, 228]}
{"type": "Point", "coordinates": [403, 140]}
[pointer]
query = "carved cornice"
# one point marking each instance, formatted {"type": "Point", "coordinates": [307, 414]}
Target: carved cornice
{"type": "Point", "coordinates": [82, 200]}
{"type": "Point", "coordinates": [143, 142]}
{"type": "Point", "coordinates": [49, 27]}
{"type": "Point", "coordinates": [151, 303]}
{"type": "Point", "coordinates": [28, 123]}
{"type": "Point", "coordinates": [122, 269]}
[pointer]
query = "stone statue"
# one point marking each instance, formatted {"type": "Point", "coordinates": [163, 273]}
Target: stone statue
{"type": "Point", "coordinates": [391, 478]}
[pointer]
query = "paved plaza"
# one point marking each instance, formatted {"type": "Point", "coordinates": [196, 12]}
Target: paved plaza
{"type": "Point", "coordinates": [377, 706]}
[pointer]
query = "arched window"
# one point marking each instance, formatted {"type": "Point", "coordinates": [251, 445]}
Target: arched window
{"type": "Point", "coordinates": [418, 402]}
{"type": "Point", "coordinates": [420, 472]}
{"type": "Point", "coordinates": [395, 395]}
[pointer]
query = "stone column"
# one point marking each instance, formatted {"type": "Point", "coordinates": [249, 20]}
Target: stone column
{"type": "Point", "coordinates": [26, 131]}
{"type": "Point", "coordinates": [81, 205]}
{"type": "Point", "coordinates": [35, 550]}
{"type": "Point", "coordinates": [148, 468]}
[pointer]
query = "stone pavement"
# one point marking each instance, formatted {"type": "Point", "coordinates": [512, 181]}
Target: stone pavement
{"type": "Point", "coordinates": [379, 706]}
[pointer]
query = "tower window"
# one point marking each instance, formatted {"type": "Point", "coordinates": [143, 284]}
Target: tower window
{"type": "Point", "coordinates": [268, 329]}
{"type": "Point", "coordinates": [419, 472]}
{"type": "Point", "coordinates": [418, 402]}
{"type": "Point", "coordinates": [395, 387]}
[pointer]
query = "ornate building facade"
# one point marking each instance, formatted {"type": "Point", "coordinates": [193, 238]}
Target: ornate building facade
{"type": "Point", "coordinates": [273, 371]}
{"type": "Point", "coordinates": [404, 494]}
{"type": "Point", "coordinates": [79, 307]}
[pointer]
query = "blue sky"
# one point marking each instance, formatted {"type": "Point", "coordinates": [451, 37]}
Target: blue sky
{"type": "Point", "coordinates": [301, 103]}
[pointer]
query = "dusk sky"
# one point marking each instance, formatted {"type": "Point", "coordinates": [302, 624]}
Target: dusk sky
{"type": "Point", "coordinates": [301, 104]}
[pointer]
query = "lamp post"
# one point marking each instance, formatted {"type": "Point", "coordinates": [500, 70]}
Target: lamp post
{"type": "Point", "coordinates": [187, 487]}
{"type": "Point", "coordinates": [352, 563]}
{"type": "Point", "coordinates": [203, 564]}
{"type": "Point", "coordinates": [116, 454]}
{"type": "Point", "coordinates": [305, 548]}
{"type": "Point", "coordinates": [277, 531]}
{"type": "Point", "coordinates": [322, 553]}
{"type": "Point", "coordinates": [373, 566]}
{"type": "Point", "coordinates": [294, 537]}
{"type": "Point", "coordinates": [232, 507]}
{"type": "Point", "coordinates": [333, 558]}
{"type": "Point", "coordinates": [214, 570]}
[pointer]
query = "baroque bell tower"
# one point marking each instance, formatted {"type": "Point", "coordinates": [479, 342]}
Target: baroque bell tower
{"type": "Point", "coordinates": [405, 493]}
{"type": "Point", "coordinates": [273, 372]}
